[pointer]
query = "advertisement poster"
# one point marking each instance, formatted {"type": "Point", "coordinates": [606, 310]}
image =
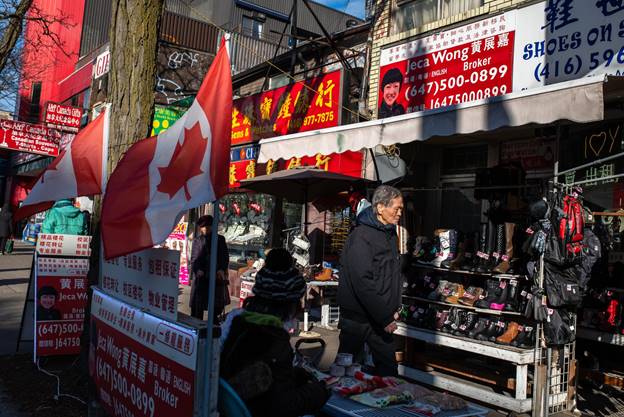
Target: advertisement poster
{"type": "Point", "coordinates": [63, 117]}
{"type": "Point", "coordinates": [564, 40]}
{"type": "Point", "coordinates": [142, 366]}
{"type": "Point", "coordinates": [177, 241]}
{"type": "Point", "coordinates": [302, 106]}
{"type": "Point", "coordinates": [164, 117]}
{"type": "Point", "coordinates": [65, 245]}
{"type": "Point", "coordinates": [532, 154]}
{"type": "Point", "coordinates": [467, 63]}
{"type": "Point", "coordinates": [61, 296]}
{"type": "Point", "coordinates": [147, 279]}
{"type": "Point", "coordinates": [30, 138]}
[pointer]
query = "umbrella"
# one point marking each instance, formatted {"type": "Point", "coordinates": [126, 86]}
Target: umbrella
{"type": "Point", "coordinates": [301, 185]}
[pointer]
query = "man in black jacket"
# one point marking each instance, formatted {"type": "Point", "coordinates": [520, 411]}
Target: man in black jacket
{"type": "Point", "coordinates": [369, 292]}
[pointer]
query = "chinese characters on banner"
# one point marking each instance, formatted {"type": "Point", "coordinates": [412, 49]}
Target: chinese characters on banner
{"type": "Point", "coordinates": [531, 154]}
{"type": "Point", "coordinates": [61, 294]}
{"type": "Point", "coordinates": [467, 63]}
{"type": "Point", "coordinates": [177, 241]}
{"type": "Point", "coordinates": [30, 138]}
{"type": "Point", "coordinates": [243, 164]}
{"type": "Point", "coordinates": [63, 117]}
{"type": "Point", "coordinates": [568, 39]}
{"type": "Point", "coordinates": [141, 365]}
{"type": "Point", "coordinates": [147, 279]}
{"type": "Point", "coordinates": [298, 107]}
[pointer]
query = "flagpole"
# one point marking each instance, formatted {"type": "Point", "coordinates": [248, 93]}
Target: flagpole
{"type": "Point", "coordinates": [212, 278]}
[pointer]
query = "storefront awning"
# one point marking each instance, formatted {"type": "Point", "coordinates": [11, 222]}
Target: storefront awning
{"type": "Point", "coordinates": [579, 101]}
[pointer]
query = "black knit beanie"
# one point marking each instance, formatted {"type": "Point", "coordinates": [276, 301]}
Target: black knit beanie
{"type": "Point", "coordinates": [279, 285]}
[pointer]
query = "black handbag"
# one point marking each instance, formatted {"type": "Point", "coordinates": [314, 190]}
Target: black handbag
{"type": "Point", "coordinates": [558, 327]}
{"type": "Point", "coordinates": [562, 286]}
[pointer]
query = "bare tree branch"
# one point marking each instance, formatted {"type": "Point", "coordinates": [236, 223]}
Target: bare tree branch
{"type": "Point", "coordinates": [13, 31]}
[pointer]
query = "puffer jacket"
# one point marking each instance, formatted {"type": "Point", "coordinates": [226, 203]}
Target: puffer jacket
{"type": "Point", "coordinates": [64, 218]}
{"type": "Point", "coordinates": [253, 338]}
{"type": "Point", "coordinates": [369, 290]}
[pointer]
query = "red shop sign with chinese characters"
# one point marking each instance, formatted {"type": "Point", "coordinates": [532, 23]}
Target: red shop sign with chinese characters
{"type": "Point", "coordinates": [467, 63]}
{"type": "Point", "coordinates": [30, 138]}
{"type": "Point", "coordinates": [347, 163]}
{"type": "Point", "coordinates": [63, 117]}
{"type": "Point", "coordinates": [141, 365]}
{"type": "Point", "coordinates": [298, 107]}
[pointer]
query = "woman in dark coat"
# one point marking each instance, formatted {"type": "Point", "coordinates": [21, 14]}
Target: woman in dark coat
{"type": "Point", "coordinates": [200, 268]}
{"type": "Point", "coordinates": [257, 357]}
{"type": "Point", "coordinates": [6, 226]}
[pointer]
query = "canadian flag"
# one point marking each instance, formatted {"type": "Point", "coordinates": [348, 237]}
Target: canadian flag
{"type": "Point", "coordinates": [79, 170]}
{"type": "Point", "coordinates": [161, 177]}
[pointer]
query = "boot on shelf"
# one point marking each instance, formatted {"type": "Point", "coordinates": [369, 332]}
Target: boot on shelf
{"type": "Point", "coordinates": [453, 250]}
{"type": "Point", "coordinates": [525, 338]}
{"type": "Point", "coordinates": [480, 327]}
{"type": "Point", "coordinates": [429, 251]}
{"type": "Point", "coordinates": [498, 248]}
{"type": "Point", "coordinates": [456, 293]}
{"type": "Point", "coordinates": [450, 319]}
{"type": "Point", "coordinates": [471, 296]}
{"type": "Point", "coordinates": [468, 325]}
{"type": "Point", "coordinates": [441, 318]}
{"type": "Point", "coordinates": [510, 334]}
{"type": "Point", "coordinates": [470, 252]}
{"type": "Point", "coordinates": [505, 264]}
{"type": "Point", "coordinates": [485, 249]}
{"type": "Point", "coordinates": [513, 303]}
{"type": "Point", "coordinates": [438, 291]}
{"type": "Point", "coordinates": [489, 332]}
{"type": "Point", "coordinates": [499, 302]}
{"type": "Point", "coordinates": [444, 250]}
{"type": "Point", "coordinates": [490, 293]}
{"type": "Point", "coordinates": [501, 328]}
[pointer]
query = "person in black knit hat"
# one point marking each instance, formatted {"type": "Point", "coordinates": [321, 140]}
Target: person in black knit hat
{"type": "Point", "coordinates": [257, 358]}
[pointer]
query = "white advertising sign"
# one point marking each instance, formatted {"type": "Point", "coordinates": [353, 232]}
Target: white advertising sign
{"type": "Point", "coordinates": [102, 65]}
{"type": "Point", "coordinates": [568, 39]}
{"type": "Point", "coordinates": [63, 267]}
{"type": "Point", "coordinates": [146, 279]}
{"type": "Point", "coordinates": [63, 245]}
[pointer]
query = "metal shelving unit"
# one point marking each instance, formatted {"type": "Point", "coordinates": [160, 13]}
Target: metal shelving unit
{"type": "Point", "coordinates": [598, 336]}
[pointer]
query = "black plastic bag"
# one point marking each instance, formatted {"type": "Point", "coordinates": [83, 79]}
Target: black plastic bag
{"type": "Point", "coordinates": [558, 327]}
{"type": "Point", "coordinates": [562, 286]}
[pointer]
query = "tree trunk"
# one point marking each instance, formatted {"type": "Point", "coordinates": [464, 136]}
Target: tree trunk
{"type": "Point", "coordinates": [13, 31]}
{"type": "Point", "coordinates": [133, 42]}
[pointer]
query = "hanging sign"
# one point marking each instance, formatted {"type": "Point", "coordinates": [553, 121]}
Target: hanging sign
{"type": "Point", "coordinates": [470, 62]}
{"type": "Point", "coordinates": [177, 241]}
{"type": "Point", "coordinates": [30, 138]}
{"type": "Point", "coordinates": [142, 365]}
{"type": "Point", "coordinates": [63, 117]}
{"type": "Point", "coordinates": [302, 106]}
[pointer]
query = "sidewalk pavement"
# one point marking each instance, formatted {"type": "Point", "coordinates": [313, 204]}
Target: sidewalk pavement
{"type": "Point", "coordinates": [14, 276]}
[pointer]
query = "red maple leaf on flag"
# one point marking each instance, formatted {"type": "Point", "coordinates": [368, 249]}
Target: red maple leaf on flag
{"type": "Point", "coordinates": [185, 163]}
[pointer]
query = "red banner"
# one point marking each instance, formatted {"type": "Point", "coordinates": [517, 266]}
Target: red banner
{"type": "Point", "coordinates": [61, 301]}
{"type": "Point", "coordinates": [472, 62]}
{"type": "Point", "coordinates": [347, 163]}
{"type": "Point", "coordinates": [30, 138]}
{"type": "Point", "coordinates": [299, 107]}
{"type": "Point", "coordinates": [142, 366]}
{"type": "Point", "coordinates": [63, 117]}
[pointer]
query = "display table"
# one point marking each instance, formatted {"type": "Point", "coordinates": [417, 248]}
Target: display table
{"type": "Point", "coordinates": [325, 307]}
{"type": "Point", "coordinates": [338, 407]}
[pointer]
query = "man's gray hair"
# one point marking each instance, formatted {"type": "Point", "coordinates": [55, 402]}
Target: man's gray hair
{"type": "Point", "coordinates": [383, 195]}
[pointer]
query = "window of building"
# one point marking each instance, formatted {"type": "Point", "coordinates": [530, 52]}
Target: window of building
{"type": "Point", "coordinates": [410, 14]}
{"type": "Point", "coordinates": [252, 27]}
{"type": "Point", "coordinates": [35, 101]}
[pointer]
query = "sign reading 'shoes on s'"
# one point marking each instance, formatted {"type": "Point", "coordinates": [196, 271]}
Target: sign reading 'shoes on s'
{"type": "Point", "coordinates": [147, 279]}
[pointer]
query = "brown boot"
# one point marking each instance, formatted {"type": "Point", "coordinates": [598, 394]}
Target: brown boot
{"type": "Point", "coordinates": [504, 265]}
{"type": "Point", "coordinates": [471, 296]}
{"type": "Point", "coordinates": [456, 294]}
{"type": "Point", "coordinates": [510, 334]}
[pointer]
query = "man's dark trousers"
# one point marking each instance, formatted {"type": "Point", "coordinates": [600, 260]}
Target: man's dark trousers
{"type": "Point", "coordinates": [353, 336]}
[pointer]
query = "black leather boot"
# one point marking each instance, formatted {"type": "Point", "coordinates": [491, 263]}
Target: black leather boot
{"type": "Point", "coordinates": [498, 249]}
{"type": "Point", "coordinates": [485, 249]}
{"type": "Point", "coordinates": [491, 288]}
{"type": "Point", "coordinates": [501, 328]}
{"type": "Point", "coordinates": [513, 303]}
{"type": "Point", "coordinates": [490, 331]}
{"type": "Point", "coordinates": [453, 241]}
{"type": "Point", "coordinates": [499, 302]}
{"type": "Point", "coordinates": [481, 326]}
{"type": "Point", "coordinates": [471, 243]}
{"type": "Point", "coordinates": [452, 321]}
{"type": "Point", "coordinates": [469, 324]}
